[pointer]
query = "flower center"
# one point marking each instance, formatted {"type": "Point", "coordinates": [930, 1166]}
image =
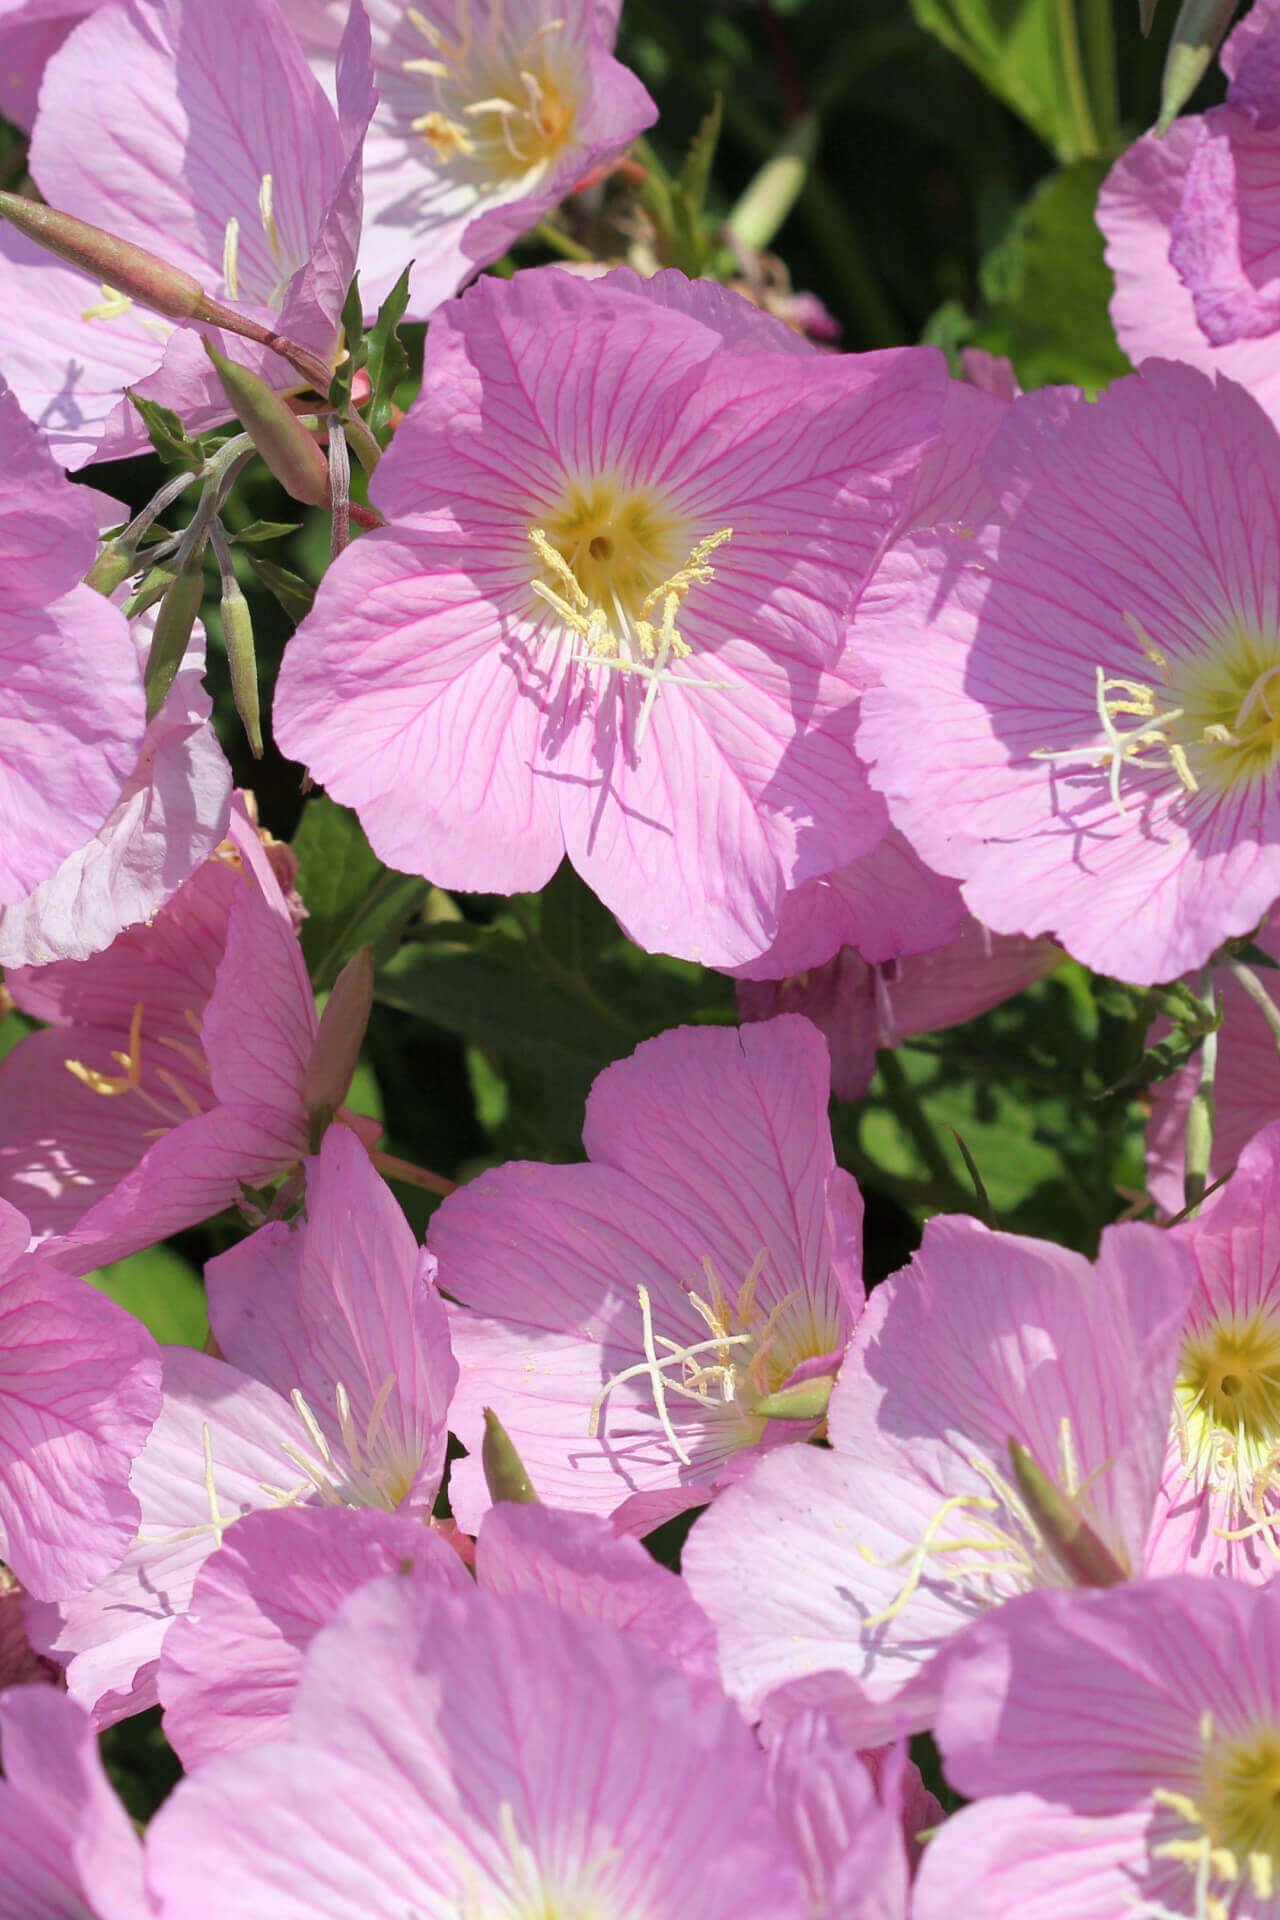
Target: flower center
{"type": "Point", "coordinates": [749, 1352]}
{"type": "Point", "coordinates": [1211, 719]}
{"type": "Point", "coordinates": [170, 1098]}
{"type": "Point", "coordinates": [1232, 1831]}
{"type": "Point", "coordinates": [1227, 1413]}
{"type": "Point", "coordinates": [501, 109]}
{"type": "Point", "coordinates": [996, 1544]}
{"type": "Point", "coordinates": [611, 574]}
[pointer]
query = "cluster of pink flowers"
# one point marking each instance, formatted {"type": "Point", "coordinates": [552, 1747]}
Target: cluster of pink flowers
{"type": "Point", "coordinates": [879, 690]}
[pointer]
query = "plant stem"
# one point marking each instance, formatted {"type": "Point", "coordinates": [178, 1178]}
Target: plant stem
{"type": "Point", "coordinates": [1248, 979]}
{"type": "Point", "coordinates": [395, 1169]}
{"type": "Point", "coordinates": [561, 243]}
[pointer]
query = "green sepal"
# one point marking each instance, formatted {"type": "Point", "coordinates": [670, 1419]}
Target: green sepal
{"type": "Point", "coordinates": [504, 1473]}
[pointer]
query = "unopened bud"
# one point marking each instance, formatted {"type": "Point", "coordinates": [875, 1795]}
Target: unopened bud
{"type": "Point", "coordinates": [237, 634]}
{"type": "Point", "coordinates": [172, 635]}
{"type": "Point", "coordinates": [1075, 1546]}
{"type": "Point", "coordinates": [1197, 33]}
{"type": "Point", "coordinates": [504, 1473]}
{"type": "Point", "coordinates": [335, 1053]}
{"type": "Point", "coordinates": [806, 1400]}
{"type": "Point", "coordinates": [113, 263]}
{"type": "Point", "coordinates": [112, 566]}
{"type": "Point", "coordinates": [277, 433]}
{"type": "Point", "coordinates": [776, 188]}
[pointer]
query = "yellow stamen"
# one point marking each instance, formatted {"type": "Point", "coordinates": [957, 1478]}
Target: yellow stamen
{"type": "Point", "coordinates": [109, 1083]}
{"type": "Point", "coordinates": [231, 258]}
{"type": "Point", "coordinates": [110, 307]}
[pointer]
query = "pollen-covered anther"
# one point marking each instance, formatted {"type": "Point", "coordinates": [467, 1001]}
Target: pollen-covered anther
{"type": "Point", "coordinates": [115, 1083]}
{"type": "Point", "coordinates": [498, 103]}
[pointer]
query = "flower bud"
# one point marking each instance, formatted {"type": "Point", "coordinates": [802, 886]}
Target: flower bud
{"type": "Point", "coordinates": [504, 1473]}
{"type": "Point", "coordinates": [169, 641]}
{"type": "Point", "coordinates": [277, 433]}
{"type": "Point", "coordinates": [335, 1053]}
{"type": "Point", "coordinates": [112, 566]}
{"type": "Point", "coordinates": [776, 188]}
{"type": "Point", "coordinates": [1070, 1539]}
{"type": "Point", "coordinates": [1197, 33]}
{"type": "Point", "coordinates": [118, 264]}
{"type": "Point", "coordinates": [237, 634]}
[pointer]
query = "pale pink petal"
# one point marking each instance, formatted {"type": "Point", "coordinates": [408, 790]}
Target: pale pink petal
{"type": "Point", "coordinates": [453, 1746]}
{"type": "Point", "coordinates": [110, 1640]}
{"type": "Point", "coordinates": [79, 1390]}
{"type": "Point", "coordinates": [171, 814]}
{"type": "Point", "coordinates": [72, 720]}
{"type": "Point", "coordinates": [230, 1665]}
{"type": "Point", "coordinates": [70, 1851]}
{"type": "Point", "coordinates": [343, 1303]}
{"type": "Point", "coordinates": [577, 1562]}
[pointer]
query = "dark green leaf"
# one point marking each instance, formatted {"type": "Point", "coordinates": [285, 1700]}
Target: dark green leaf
{"type": "Point", "coordinates": [264, 530]}
{"type": "Point", "coordinates": [1016, 48]}
{"type": "Point", "coordinates": [351, 898]}
{"type": "Point", "coordinates": [293, 593]}
{"type": "Point", "coordinates": [386, 362]}
{"type": "Point", "coordinates": [1047, 288]}
{"type": "Point", "coordinates": [695, 175]}
{"type": "Point", "coordinates": [167, 434]}
{"type": "Point", "coordinates": [353, 337]}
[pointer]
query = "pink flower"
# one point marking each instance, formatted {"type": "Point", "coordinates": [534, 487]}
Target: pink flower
{"type": "Point", "coordinates": [623, 1318]}
{"type": "Point", "coordinates": [1190, 221]}
{"type": "Point", "coordinates": [1075, 710]}
{"type": "Point", "coordinates": [172, 813]}
{"type": "Point", "coordinates": [230, 1665]}
{"type": "Point", "coordinates": [852, 1828]}
{"type": "Point", "coordinates": [489, 112]}
{"type": "Point", "coordinates": [1246, 1086]}
{"type": "Point", "coordinates": [69, 1849]}
{"type": "Point", "coordinates": [334, 1390]}
{"type": "Point", "coordinates": [215, 148]}
{"type": "Point", "coordinates": [1221, 1499]}
{"type": "Point", "coordinates": [172, 1071]}
{"type": "Point", "coordinates": [72, 710]}
{"type": "Point", "coordinates": [673, 714]}
{"type": "Point", "coordinates": [79, 1390]}
{"type": "Point", "coordinates": [840, 1575]}
{"type": "Point", "coordinates": [860, 996]}
{"type": "Point", "coordinates": [452, 1749]}
{"type": "Point", "coordinates": [1134, 1735]}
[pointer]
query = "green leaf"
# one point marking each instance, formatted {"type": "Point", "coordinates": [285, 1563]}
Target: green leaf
{"type": "Point", "coordinates": [1047, 288]}
{"type": "Point", "coordinates": [258, 530]}
{"type": "Point", "coordinates": [353, 335]}
{"type": "Point", "coordinates": [293, 593]}
{"type": "Point", "coordinates": [490, 992]}
{"type": "Point", "coordinates": [163, 1291]}
{"type": "Point", "coordinates": [695, 175]}
{"type": "Point", "coordinates": [1017, 50]}
{"type": "Point", "coordinates": [167, 434]}
{"type": "Point", "coordinates": [387, 362]}
{"type": "Point", "coordinates": [351, 898]}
